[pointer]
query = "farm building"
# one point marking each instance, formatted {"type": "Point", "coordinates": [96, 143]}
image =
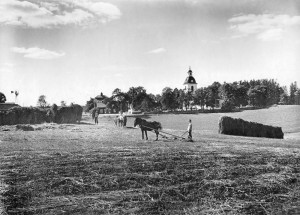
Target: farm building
{"type": "Point", "coordinates": [99, 103]}
{"type": "Point", "coordinates": [190, 82]}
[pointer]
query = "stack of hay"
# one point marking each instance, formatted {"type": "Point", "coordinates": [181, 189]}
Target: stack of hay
{"type": "Point", "coordinates": [23, 115]}
{"type": "Point", "coordinates": [228, 125]}
{"type": "Point", "coordinates": [33, 115]}
{"type": "Point", "coordinates": [70, 114]}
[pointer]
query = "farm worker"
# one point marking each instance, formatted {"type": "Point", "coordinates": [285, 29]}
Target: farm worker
{"type": "Point", "coordinates": [189, 129]}
{"type": "Point", "coordinates": [96, 117]}
{"type": "Point", "coordinates": [121, 116]}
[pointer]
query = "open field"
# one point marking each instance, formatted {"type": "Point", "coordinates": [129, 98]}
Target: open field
{"type": "Point", "coordinates": [88, 169]}
{"type": "Point", "coordinates": [285, 116]}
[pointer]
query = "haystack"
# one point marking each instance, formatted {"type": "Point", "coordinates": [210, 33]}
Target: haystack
{"type": "Point", "coordinates": [232, 126]}
{"type": "Point", "coordinates": [33, 115]}
{"type": "Point", "coordinates": [70, 114]}
{"type": "Point", "coordinates": [23, 115]}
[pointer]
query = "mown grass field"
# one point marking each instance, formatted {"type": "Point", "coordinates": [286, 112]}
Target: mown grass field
{"type": "Point", "coordinates": [88, 169]}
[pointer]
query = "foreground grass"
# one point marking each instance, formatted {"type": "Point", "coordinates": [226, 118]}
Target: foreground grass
{"type": "Point", "coordinates": [86, 169]}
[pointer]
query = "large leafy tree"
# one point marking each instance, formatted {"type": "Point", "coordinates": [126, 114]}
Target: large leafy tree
{"type": "Point", "coordinates": [213, 94]}
{"type": "Point", "coordinates": [135, 96]}
{"type": "Point", "coordinates": [179, 96]}
{"type": "Point", "coordinates": [119, 100]}
{"type": "Point", "coordinates": [188, 100]}
{"type": "Point", "coordinates": [158, 101]}
{"type": "Point", "coordinates": [234, 94]}
{"type": "Point", "coordinates": [293, 90]}
{"type": "Point", "coordinates": [227, 92]}
{"type": "Point", "coordinates": [258, 95]}
{"type": "Point", "coordinates": [2, 98]}
{"type": "Point", "coordinates": [241, 95]}
{"type": "Point", "coordinates": [200, 96]}
{"type": "Point", "coordinates": [148, 103]}
{"type": "Point", "coordinates": [90, 104]}
{"type": "Point", "coordinates": [168, 100]}
{"type": "Point", "coordinates": [284, 96]}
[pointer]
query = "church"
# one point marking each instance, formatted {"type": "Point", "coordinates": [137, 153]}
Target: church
{"type": "Point", "coordinates": [190, 82]}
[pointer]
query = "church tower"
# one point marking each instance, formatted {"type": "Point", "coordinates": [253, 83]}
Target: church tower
{"type": "Point", "coordinates": [190, 82]}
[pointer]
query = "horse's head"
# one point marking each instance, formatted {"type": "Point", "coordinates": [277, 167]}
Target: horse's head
{"type": "Point", "coordinates": [137, 121]}
{"type": "Point", "coordinates": [157, 125]}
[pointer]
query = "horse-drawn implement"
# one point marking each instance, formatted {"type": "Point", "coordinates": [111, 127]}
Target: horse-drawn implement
{"type": "Point", "coordinates": [154, 127]}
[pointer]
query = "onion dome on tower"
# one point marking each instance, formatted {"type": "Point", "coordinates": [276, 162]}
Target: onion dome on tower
{"type": "Point", "coordinates": [190, 82]}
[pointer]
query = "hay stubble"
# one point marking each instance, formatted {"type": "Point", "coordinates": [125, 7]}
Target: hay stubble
{"type": "Point", "coordinates": [87, 169]}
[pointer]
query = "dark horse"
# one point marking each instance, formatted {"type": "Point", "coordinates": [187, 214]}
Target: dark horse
{"type": "Point", "coordinates": [147, 126]}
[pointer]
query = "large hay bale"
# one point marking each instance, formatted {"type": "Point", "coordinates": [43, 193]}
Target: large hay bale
{"type": "Point", "coordinates": [232, 126]}
{"type": "Point", "coordinates": [70, 114]}
{"type": "Point", "coordinates": [23, 115]}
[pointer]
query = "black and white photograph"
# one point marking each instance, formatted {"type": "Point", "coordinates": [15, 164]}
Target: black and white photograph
{"type": "Point", "coordinates": [145, 107]}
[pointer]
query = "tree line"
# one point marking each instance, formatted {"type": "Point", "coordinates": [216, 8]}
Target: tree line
{"type": "Point", "coordinates": [227, 96]}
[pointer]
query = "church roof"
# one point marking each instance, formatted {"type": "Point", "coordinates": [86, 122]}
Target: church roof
{"type": "Point", "coordinates": [100, 97]}
{"type": "Point", "coordinates": [190, 80]}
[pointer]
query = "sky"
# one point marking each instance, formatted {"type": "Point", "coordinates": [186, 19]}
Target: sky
{"type": "Point", "coordinates": [72, 50]}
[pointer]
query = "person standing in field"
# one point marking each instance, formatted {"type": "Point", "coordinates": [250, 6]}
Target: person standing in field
{"type": "Point", "coordinates": [96, 117]}
{"type": "Point", "coordinates": [121, 119]}
{"type": "Point", "coordinates": [189, 129]}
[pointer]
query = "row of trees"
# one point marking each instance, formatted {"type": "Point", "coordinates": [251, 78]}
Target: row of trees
{"type": "Point", "coordinates": [135, 98]}
{"type": "Point", "coordinates": [258, 93]}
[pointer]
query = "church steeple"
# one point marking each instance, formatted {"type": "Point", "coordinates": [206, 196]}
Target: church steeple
{"type": "Point", "coordinates": [190, 72]}
{"type": "Point", "coordinates": [190, 82]}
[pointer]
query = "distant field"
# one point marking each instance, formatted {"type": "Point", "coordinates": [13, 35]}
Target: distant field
{"type": "Point", "coordinates": [287, 117]}
{"type": "Point", "coordinates": [103, 169]}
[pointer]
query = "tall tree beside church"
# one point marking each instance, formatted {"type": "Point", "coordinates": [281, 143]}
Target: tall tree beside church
{"type": "Point", "coordinates": [213, 94]}
{"type": "Point", "coordinates": [200, 96]}
{"type": "Point", "coordinates": [168, 100]}
{"type": "Point", "coordinates": [179, 97]}
{"type": "Point", "coordinates": [188, 100]}
{"type": "Point", "coordinates": [158, 101]}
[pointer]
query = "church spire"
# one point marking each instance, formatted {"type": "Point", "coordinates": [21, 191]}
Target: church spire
{"type": "Point", "coordinates": [190, 72]}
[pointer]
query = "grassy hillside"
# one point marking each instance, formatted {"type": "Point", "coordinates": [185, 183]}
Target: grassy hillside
{"type": "Point", "coordinates": [88, 169]}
